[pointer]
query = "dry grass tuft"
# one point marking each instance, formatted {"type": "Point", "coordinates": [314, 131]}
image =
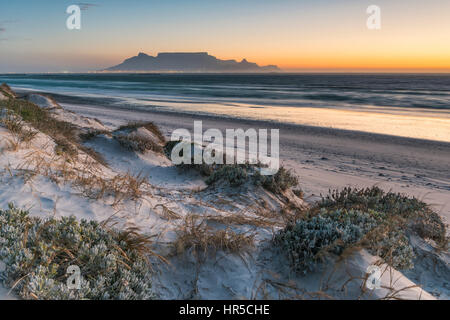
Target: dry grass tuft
{"type": "Point", "coordinates": [121, 187]}
{"type": "Point", "coordinates": [95, 155]}
{"type": "Point", "coordinates": [91, 134]}
{"type": "Point", "coordinates": [129, 138]}
{"type": "Point", "coordinates": [15, 125]}
{"type": "Point", "coordinates": [65, 134]}
{"type": "Point", "coordinates": [86, 175]}
{"type": "Point", "coordinates": [166, 213]}
{"type": "Point", "coordinates": [201, 238]}
{"type": "Point", "coordinates": [150, 126]}
{"type": "Point", "coordinates": [64, 148]}
{"type": "Point", "coordinates": [7, 90]}
{"type": "Point", "coordinates": [138, 144]}
{"type": "Point", "coordinates": [241, 220]}
{"type": "Point", "coordinates": [133, 240]}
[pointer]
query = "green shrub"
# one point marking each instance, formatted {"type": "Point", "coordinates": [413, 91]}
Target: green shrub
{"type": "Point", "coordinates": [65, 148]}
{"type": "Point", "coordinates": [238, 174]}
{"type": "Point", "coordinates": [308, 241]}
{"type": "Point", "coordinates": [150, 126]}
{"type": "Point", "coordinates": [138, 144]}
{"type": "Point", "coordinates": [395, 249]}
{"type": "Point", "coordinates": [38, 252]}
{"type": "Point", "coordinates": [370, 218]}
{"type": "Point", "coordinates": [234, 175]}
{"type": "Point", "coordinates": [373, 198]}
{"type": "Point", "coordinates": [279, 182]}
{"type": "Point", "coordinates": [418, 214]}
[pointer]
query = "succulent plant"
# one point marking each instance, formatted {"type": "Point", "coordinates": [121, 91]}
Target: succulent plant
{"type": "Point", "coordinates": [38, 252]}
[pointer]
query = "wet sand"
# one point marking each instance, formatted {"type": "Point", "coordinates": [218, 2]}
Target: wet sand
{"type": "Point", "coordinates": [326, 158]}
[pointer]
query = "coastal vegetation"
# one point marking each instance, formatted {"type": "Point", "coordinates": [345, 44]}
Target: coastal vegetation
{"type": "Point", "coordinates": [38, 252]}
{"type": "Point", "coordinates": [370, 218]}
{"type": "Point", "coordinates": [236, 211]}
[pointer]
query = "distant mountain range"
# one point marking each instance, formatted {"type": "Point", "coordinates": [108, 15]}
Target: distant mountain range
{"type": "Point", "coordinates": [187, 62]}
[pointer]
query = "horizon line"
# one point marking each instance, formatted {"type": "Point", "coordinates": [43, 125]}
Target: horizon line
{"type": "Point", "coordinates": [286, 71]}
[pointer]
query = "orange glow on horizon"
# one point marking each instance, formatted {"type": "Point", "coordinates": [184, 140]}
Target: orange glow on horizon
{"type": "Point", "coordinates": [294, 35]}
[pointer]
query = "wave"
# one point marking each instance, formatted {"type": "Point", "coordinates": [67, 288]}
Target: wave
{"type": "Point", "coordinates": [331, 91]}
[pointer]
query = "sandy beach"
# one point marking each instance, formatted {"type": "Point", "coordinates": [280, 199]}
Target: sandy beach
{"type": "Point", "coordinates": [108, 165]}
{"type": "Point", "coordinates": [327, 158]}
{"type": "Point", "coordinates": [225, 159]}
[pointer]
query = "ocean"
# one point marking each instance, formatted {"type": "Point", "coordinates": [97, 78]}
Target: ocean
{"type": "Point", "coordinates": [410, 105]}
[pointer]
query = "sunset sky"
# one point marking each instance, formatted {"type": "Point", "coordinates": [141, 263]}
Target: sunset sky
{"type": "Point", "coordinates": [296, 35]}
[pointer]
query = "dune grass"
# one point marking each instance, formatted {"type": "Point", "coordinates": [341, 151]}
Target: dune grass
{"type": "Point", "coordinates": [150, 126]}
{"type": "Point", "coordinates": [20, 132]}
{"type": "Point", "coordinates": [196, 234]}
{"type": "Point", "coordinates": [65, 134]}
{"type": "Point", "coordinates": [66, 164]}
{"type": "Point", "coordinates": [139, 143]}
{"type": "Point", "coordinates": [7, 91]}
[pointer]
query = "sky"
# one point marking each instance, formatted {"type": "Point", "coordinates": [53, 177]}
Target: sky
{"type": "Point", "coordinates": [296, 35]}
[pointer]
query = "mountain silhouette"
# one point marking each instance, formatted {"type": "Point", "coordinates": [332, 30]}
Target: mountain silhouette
{"type": "Point", "coordinates": [188, 62]}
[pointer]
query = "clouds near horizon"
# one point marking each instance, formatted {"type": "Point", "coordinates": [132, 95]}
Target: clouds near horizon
{"type": "Point", "coordinates": [85, 6]}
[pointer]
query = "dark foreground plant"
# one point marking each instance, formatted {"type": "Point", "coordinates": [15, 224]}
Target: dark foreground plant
{"type": "Point", "coordinates": [235, 174]}
{"type": "Point", "coordinates": [279, 182]}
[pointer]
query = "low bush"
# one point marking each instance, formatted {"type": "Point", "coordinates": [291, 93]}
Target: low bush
{"type": "Point", "coordinates": [203, 168]}
{"type": "Point", "coordinates": [413, 211]}
{"type": "Point", "coordinates": [234, 175]}
{"type": "Point", "coordinates": [279, 182]}
{"type": "Point", "coordinates": [237, 174]}
{"type": "Point", "coordinates": [138, 144]}
{"type": "Point", "coordinates": [131, 137]}
{"type": "Point", "coordinates": [368, 218]}
{"type": "Point", "coordinates": [308, 241]}
{"type": "Point", "coordinates": [373, 198]}
{"type": "Point", "coordinates": [150, 126]}
{"type": "Point", "coordinates": [395, 249]}
{"type": "Point", "coordinates": [37, 254]}
{"type": "Point", "coordinates": [65, 148]}
{"type": "Point", "coordinates": [91, 134]}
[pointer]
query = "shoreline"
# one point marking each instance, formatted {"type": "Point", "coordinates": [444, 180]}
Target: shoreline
{"type": "Point", "coordinates": [145, 190]}
{"type": "Point", "coordinates": [325, 158]}
{"type": "Point", "coordinates": [366, 104]}
{"type": "Point", "coordinates": [66, 101]}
